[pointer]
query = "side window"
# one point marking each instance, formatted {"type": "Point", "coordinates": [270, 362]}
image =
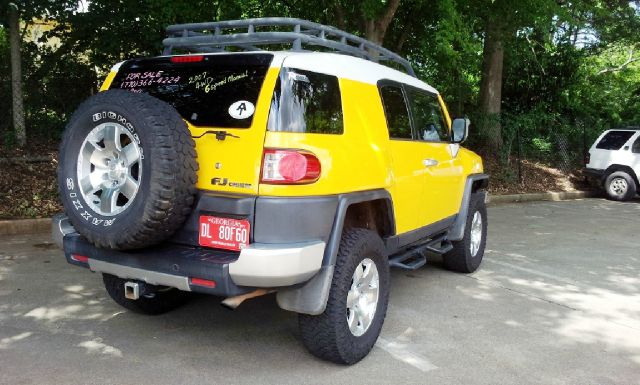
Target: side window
{"type": "Point", "coordinates": [307, 102]}
{"type": "Point", "coordinates": [614, 140]}
{"type": "Point", "coordinates": [428, 118]}
{"type": "Point", "coordinates": [395, 109]}
{"type": "Point", "coordinates": [636, 146]}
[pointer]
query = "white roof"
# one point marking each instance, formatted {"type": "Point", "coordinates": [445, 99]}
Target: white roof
{"type": "Point", "coordinates": [346, 67]}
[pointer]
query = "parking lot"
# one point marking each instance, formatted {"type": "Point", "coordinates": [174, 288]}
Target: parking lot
{"type": "Point", "coordinates": [556, 301]}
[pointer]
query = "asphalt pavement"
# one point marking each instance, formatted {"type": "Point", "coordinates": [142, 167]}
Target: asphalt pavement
{"type": "Point", "coordinates": [556, 301]}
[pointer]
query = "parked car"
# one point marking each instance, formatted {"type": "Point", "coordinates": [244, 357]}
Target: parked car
{"type": "Point", "coordinates": [614, 162]}
{"type": "Point", "coordinates": [240, 173]}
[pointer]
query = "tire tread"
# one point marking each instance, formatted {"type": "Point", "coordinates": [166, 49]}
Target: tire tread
{"type": "Point", "coordinates": [322, 334]}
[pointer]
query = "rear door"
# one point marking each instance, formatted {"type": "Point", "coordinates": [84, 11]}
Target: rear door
{"type": "Point", "coordinates": [426, 175]}
{"type": "Point", "coordinates": [441, 194]}
{"type": "Point", "coordinates": [224, 98]}
{"type": "Point", "coordinates": [407, 156]}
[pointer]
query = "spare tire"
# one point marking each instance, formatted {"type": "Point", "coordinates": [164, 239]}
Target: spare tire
{"type": "Point", "coordinates": [127, 170]}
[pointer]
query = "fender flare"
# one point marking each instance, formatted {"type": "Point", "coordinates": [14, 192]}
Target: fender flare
{"type": "Point", "coordinates": [311, 298]}
{"type": "Point", "coordinates": [619, 167]}
{"type": "Point", "coordinates": [475, 183]}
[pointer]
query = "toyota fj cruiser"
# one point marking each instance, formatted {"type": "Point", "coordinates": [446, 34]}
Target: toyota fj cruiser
{"type": "Point", "coordinates": [225, 169]}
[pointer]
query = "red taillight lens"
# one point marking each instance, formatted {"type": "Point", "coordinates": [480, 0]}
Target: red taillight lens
{"type": "Point", "coordinates": [203, 282]}
{"type": "Point", "coordinates": [289, 167]}
{"type": "Point", "coordinates": [187, 59]}
{"type": "Point", "coordinates": [80, 258]}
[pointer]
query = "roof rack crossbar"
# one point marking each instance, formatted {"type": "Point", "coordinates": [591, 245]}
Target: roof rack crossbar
{"type": "Point", "coordinates": [215, 36]}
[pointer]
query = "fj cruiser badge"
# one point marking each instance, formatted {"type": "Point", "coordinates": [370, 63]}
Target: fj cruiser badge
{"type": "Point", "coordinates": [225, 182]}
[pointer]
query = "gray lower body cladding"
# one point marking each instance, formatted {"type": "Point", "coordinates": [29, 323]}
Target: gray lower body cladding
{"type": "Point", "coordinates": [272, 219]}
{"type": "Point", "coordinates": [595, 174]}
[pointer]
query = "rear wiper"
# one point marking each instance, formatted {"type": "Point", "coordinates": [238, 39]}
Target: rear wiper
{"type": "Point", "coordinates": [220, 135]}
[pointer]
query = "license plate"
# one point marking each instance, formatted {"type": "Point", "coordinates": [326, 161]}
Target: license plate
{"type": "Point", "coordinates": [223, 233]}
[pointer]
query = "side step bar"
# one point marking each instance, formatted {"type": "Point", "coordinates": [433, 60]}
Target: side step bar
{"type": "Point", "coordinates": [415, 257]}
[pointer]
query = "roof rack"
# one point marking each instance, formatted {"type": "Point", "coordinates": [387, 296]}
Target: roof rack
{"type": "Point", "coordinates": [211, 37]}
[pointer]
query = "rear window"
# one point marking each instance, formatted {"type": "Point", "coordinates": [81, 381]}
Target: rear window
{"type": "Point", "coordinates": [305, 101]}
{"type": "Point", "coordinates": [614, 140]}
{"type": "Point", "coordinates": [219, 91]}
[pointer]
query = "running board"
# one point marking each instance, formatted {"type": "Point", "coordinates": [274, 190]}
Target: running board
{"type": "Point", "coordinates": [415, 258]}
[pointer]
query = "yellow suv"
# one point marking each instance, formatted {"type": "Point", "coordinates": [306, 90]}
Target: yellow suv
{"type": "Point", "coordinates": [226, 169]}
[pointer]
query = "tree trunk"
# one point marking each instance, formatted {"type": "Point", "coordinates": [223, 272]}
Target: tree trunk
{"type": "Point", "coordinates": [491, 84]}
{"type": "Point", "coordinates": [16, 76]}
{"type": "Point", "coordinates": [375, 30]}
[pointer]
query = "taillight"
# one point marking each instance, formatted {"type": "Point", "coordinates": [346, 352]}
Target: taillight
{"type": "Point", "coordinates": [289, 167]}
{"type": "Point", "coordinates": [587, 158]}
{"type": "Point", "coordinates": [203, 282]}
{"type": "Point", "coordinates": [80, 258]}
{"type": "Point", "coordinates": [187, 59]}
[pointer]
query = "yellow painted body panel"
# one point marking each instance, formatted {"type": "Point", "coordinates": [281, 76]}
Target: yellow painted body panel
{"type": "Point", "coordinates": [408, 183]}
{"type": "Point", "coordinates": [443, 105]}
{"type": "Point", "coordinates": [107, 81]}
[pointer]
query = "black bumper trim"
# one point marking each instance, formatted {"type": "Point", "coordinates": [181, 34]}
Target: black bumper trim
{"type": "Point", "coordinates": [173, 259]}
{"type": "Point", "coordinates": [594, 173]}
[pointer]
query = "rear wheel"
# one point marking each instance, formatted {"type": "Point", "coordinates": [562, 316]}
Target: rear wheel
{"type": "Point", "coordinates": [620, 186]}
{"type": "Point", "coordinates": [357, 304]}
{"type": "Point", "coordinates": [467, 253]}
{"type": "Point", "coordinates": [159, 301]}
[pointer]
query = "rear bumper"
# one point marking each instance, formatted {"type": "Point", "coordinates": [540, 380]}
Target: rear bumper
{"type": "Point", "coordinates": [265, 265]}
{"type": "Point", "coordinates": [594, 173]}
{"type": "Point", "coordinates": [174, 265]}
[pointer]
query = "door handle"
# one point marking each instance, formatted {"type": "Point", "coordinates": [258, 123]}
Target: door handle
{"type": "Point", "coordinates": [430, 162]}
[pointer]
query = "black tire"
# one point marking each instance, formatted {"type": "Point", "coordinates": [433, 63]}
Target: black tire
{"type": "Point", "coordinates": [155, 303]}
{"type": "Point", "coordinates": [613, 189]}
{"type": "Point", "coordinates": [166, 180]}
{"type": "Point", "coordinates": [327, 335]}
{"type": "Point", "coordinates": [460, 259]}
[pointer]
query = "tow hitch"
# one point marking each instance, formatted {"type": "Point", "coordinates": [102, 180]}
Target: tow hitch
{"type": "Point", "coordinates": [133, 290]}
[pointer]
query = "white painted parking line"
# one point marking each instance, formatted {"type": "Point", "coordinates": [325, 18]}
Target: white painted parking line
{"type": "Point", "coordinates": [526, 269]}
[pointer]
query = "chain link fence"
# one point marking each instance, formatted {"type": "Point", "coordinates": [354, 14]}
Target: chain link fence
{"type": "Point", "coordinates": [527, 145]}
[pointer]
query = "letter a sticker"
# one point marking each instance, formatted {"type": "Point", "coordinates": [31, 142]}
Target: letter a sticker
{"type": "Point", "coordinates": [241, 109]}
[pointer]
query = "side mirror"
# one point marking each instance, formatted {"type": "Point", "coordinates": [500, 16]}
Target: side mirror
{"type": "Point", "coordinates": [460, 128]}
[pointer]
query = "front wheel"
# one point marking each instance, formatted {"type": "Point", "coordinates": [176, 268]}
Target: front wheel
{"type": "Point", "coordinates": [467, 253]}
{"type": "Point", "coordinates": [357, 304]}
